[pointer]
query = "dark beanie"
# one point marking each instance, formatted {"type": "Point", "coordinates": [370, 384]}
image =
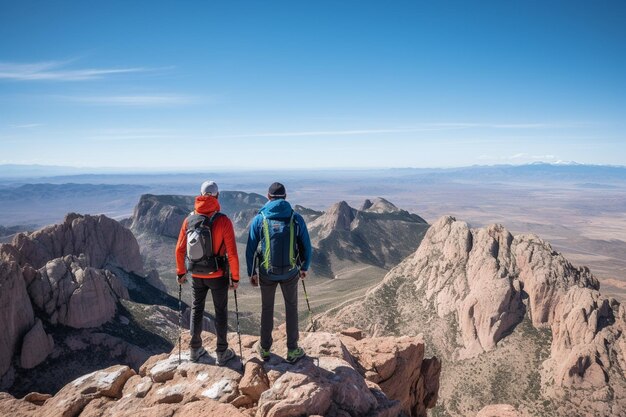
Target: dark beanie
{"type": "Point", "coordinates": [277, 190]}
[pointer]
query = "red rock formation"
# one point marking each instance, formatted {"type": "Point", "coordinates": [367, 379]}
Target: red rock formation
{"type": "Point", "coordinates": [16, 312]}
{"type": "Point", "coordinates": [329, 381]}
{"type": "Point", "coordinates": [102, 240]}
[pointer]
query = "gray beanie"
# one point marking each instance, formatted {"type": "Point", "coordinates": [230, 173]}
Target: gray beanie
{"type": "Point", "coordinates": [209, 188]}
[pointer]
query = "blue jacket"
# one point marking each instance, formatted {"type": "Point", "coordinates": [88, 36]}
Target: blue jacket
{"type": "Point", "coordinates": [278, 209]}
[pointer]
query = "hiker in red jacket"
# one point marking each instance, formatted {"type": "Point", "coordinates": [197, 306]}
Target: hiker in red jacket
{"type": "Point", "coordinates": [206, 248]}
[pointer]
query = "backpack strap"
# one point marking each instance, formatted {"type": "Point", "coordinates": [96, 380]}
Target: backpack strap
{"type": "Point", "coordinates": [213, 218]}
{"type": "Point", "coordinates": [292, 256]}
{"type": "Point", "coordinates": [266, 236]}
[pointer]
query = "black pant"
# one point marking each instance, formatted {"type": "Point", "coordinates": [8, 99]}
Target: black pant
{"type": "Point", "coordinates": [219, 293]}
{"type": "Point", "coordinates": [289, 289]}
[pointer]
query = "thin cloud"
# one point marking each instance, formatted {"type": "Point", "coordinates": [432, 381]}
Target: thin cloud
{"type": "Point", "coordinates": [57, 71]}
{"type": "Point", "coordinates": [318, 133]}
{"type": "Point", "coordinates": [135, 100]}
{"type": "Point", "coordinates": [425, 127]}
{"type": "Point", "coordinates": [519, 157]}
{"type": "Point", "coordinates": [25, 126]}
{"type": "Point", "coordinates": [113, 135]}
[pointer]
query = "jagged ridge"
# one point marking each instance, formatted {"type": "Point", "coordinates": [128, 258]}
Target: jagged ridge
{"type": "Point", "coordinates": [469, 291]}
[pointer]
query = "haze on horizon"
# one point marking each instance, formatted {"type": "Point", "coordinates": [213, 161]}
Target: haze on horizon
{"type": "Point", "coordinates": [248, 85]}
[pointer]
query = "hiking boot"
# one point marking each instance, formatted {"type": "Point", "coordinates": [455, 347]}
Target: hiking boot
{"type": "Point", "coordinates": [225, 356]}
{"type": "Point", "coordinates": [294, 354]}
{"type": "Point", "coordinates": [195, 353]}
{"type": "Point", "coordinates": [263, 353]}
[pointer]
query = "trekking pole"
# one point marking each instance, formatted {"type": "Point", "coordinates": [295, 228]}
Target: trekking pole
{"type": "Point", "coordinates": [180, 319]}
{"type": "Point", "coordinates": [306, 296]}
{"type": "Point", "coordinates": [238, 329]}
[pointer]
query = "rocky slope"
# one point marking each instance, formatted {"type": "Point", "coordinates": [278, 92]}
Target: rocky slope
{"type": "Point", "coordinates": [68, 297]}
{"type": "Point", "coordinates": [342, 376]}
{"type": "Point", "coordinates": [517, 323]}
{"type": "Point", "coordinates": [377, 234]}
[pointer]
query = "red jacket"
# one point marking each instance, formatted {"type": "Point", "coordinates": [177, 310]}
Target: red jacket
{"type": "Point", "coordinates": [222, 233]}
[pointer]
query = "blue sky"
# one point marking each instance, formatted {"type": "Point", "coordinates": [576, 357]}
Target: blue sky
{"type": "Point", "coordinates": [319, 84]}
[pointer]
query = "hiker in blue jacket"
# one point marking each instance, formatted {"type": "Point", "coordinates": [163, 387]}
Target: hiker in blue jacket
{"type": "Point", "coordinates": [283, 259]}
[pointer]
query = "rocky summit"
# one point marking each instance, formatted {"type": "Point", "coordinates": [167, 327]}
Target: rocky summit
{"type": "Point", "coordinates": [340, 376]}
{"type": "Point", "coordinates": [516, 321]}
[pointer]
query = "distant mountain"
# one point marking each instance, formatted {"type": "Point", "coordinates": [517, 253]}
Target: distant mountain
{"type": "Point", "coordinates": [516, 322]}
{"type": "Point", "coordinates": [378, 234]}
{"type": "Point", "coordinates": [539, 172]}
{"type": "Point", "coordinates": [163, 215]}
{"type": "Point", "coordinates": [20, 171]}
{"type": "Point", "coordinates": [44, 204]}
{"type": "Point", "coordinates": [7, 233]}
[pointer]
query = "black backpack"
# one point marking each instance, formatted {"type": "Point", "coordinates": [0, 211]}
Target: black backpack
{"type": "Point", "coordinates": [200, 257]}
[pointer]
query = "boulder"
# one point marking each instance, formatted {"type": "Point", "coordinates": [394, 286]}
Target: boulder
{"type": "Point", "coordinates": [397, 366]}
{"type": "Point", "coordinates": [72, 399]}
{"type": "Point", "coordinates": [36, 346]}
{"type": "Point", "coordinates": [37, 398]}
{"type": "Point", "coordinates": [353, 332]}
{"type": "Point", "coordinates": [137, 386]}
{"type": "Point", "coordinates": [254, 381]}
{"type": "Point", "coordinates": [71, 293]}
{"type": "Point", "coordinates": [16, 408]}
{"type": "Point", "coordinates": [296, 394]}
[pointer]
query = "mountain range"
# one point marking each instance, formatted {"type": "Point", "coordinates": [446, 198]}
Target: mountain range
{"type": "Point", "coordinates": [377, 234]}
{"type": "Point", "coordinates": [516, 322]}
{"type": "Point", "coordinates": [493, 318]}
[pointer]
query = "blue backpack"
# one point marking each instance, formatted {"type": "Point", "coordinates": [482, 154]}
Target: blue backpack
{"type": "Point", "coordinates": [279, 253]}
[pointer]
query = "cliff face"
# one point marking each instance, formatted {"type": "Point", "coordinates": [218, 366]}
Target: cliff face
{"type": "Point", "coordinates": [16, 312]}
{"type": "Point", "coordinates": [341, 376]}
{"type": "Point", "coordinates": [58, 280]}
{"type": "Point", "coordinates": [487, 300]}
